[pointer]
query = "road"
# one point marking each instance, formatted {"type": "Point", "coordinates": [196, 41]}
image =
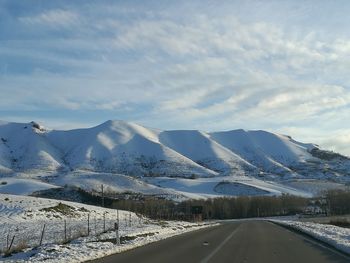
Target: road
{"type": "Point", "coordinates": [244, 241]}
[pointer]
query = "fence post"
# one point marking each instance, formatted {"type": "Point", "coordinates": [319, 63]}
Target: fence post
{"type": "Point", "coordinates": [129, 219]}
{"type": "Point", "coordinates": [13, 238]}
{"type": "Point", "coordinates": [42, 235]}
{"type": "Point", "coordinates": [104, 221]}
{"type": "Point", "coordinates": [88, 224]}
{"type": "Point", "coordinates": [117, 239]}
{"type": "Point", "coordinates": [65, 231]}
{"type": "Point", "coordinates": [103, 197]}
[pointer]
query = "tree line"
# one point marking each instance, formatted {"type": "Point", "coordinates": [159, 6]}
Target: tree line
{"type": "Point", "coordinates": [337, 202]}
{"type": "Point", "coordinates": [217, 208]}
{"type": "Point", "coordinates": [333, 202]}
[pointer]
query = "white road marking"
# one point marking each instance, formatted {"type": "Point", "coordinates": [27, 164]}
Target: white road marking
{"type": "Point", "coordinates": [206, 259]}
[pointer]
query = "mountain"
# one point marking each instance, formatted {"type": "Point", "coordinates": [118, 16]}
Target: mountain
{"type": "Point", "coordinates": [140, 153]}
{"type": "Point", "coordinates": [199, 147]}
{"type": "Point", "coordinates": [128, 148]}
{"type": "Point", "coordinates": [24, 146]}
{"type": "Point", "coordinates": [272, 152]}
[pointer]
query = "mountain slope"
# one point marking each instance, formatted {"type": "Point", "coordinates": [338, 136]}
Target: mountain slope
{"type": "Point", "coordinates": [25, 147]}
{"type": "Point", "coordinates": [124, 148]}
{"type": "Point", "coordinates": [198, 146]}
{"type": "Point", "coordinates": [270, 152]}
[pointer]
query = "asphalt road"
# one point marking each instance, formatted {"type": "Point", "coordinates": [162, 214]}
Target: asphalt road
{"type": "Point", "coordinates": [245, 241]}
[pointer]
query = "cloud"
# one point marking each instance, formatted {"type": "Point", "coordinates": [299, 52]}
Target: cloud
{"type": "Point", "coordinates": [56, 17]}
{"type": "Point", "coordinates": [183, 66]}
{"type": "Point", "coordinates": [337, 140]}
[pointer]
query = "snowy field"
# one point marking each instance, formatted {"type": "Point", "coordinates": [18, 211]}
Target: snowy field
{"type": "Point", "coordinates": [338, 237]}
{"type": "Point", "coordinates": [174, 188]}
{"type": "Point", "coordinates": [22, 186]}
{"type": "Point", "coordinates": [315, 187]}
{"type": "Point", "coordinates": [67, 237]}
{"type": "Point", "coordinates": [225, 186]}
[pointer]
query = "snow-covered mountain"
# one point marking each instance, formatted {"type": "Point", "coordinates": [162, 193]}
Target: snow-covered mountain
{"type": "Point", "coordinates": [25, 147]}
{"type": "Point", "coordinates": [271, 152]}
{"type": "Point", "coordinates": [127, 148]}
{"type": "Point", "coordinates": [131, 149]}
{"type": "Point", "coordinates": [129, 157]}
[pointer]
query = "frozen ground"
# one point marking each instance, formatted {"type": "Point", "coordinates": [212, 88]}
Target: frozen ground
{"type": "Point", "coordinates": [335, 236]}
{"type": "Point", "coordinates": [23, 219]}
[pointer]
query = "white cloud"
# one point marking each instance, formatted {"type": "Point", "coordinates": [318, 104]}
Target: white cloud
{"type": "Point", "coordinates": [56, 17]}
{"type": "Point", "coordinates": [337, 140]}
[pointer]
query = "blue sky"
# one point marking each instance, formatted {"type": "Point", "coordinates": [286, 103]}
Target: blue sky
{"type": "Point", "coordinates": [281, 66]}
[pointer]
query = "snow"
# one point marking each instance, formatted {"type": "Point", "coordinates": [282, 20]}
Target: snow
{"type": "Point", "coordinates": [25, 217]}
{"type": "Point", "coordinates": [197, 146]}
{"type": "Point", "coordinates": [25, 147]}
{"type": "Point", "coordinates": [114, 183]}
{"type": "Point", "coordinates": [224, 186]}
{"type": "Point", "coordinates": [315, 187]}
{"type": "Point", "coordinates": [264, 149]}
{"type": "Point", "coordinates": [124, 148]}
{"type": "Point", "coordinates": [335, 236]}
{"type": "Point", "coordinates": [172, 188]}
{"type": "Point", "coordinates": [116, 145]}
{"type": "Point", "coordinates": [18, 186]}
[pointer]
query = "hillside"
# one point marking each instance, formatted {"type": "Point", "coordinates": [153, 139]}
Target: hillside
{"type": "Point", "coordinates": [28, 150]}
{"type": "Point", "coordinates": [74, 232]}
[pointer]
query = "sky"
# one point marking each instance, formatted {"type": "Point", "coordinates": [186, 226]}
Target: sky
{"type": "Point", "coordinates": [280, 66]}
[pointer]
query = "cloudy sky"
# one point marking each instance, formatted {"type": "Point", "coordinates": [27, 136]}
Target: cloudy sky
{"type": "Point", "coordinates": [281, 66]}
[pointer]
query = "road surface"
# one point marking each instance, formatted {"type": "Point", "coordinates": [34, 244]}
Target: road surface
{"type": "Point", "coordinates": [244, 241]}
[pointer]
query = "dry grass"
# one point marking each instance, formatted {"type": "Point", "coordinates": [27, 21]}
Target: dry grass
{"type": "Point", "coordinates": [22, 245]}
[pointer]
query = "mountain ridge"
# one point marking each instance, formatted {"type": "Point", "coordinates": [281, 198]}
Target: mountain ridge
{"type": "Point", "coordinates": [128, 148]}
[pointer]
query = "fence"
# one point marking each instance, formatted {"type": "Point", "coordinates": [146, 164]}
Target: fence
{"type": "Point", "coordinates": [17, 235]}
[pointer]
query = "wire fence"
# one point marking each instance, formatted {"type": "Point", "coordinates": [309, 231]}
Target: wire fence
{"type": "Point", "coordinates": [19, 235]}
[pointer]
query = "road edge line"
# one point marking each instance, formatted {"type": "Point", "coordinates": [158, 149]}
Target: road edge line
{"type": "Point", "coordinates": [313, 239]}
